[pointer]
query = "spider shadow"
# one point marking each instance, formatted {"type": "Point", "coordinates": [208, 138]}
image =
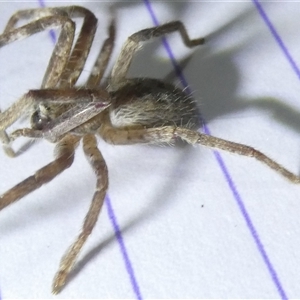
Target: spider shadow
{"type": "Point", "coordinates": [217, 103]}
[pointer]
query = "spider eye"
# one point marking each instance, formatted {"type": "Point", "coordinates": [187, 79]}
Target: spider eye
{"type": "Point", "coordinates": [38, 122]}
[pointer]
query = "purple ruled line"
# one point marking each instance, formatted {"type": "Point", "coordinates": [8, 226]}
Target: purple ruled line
{"type": "Point", "coordinates": [224, 169]}
{"type": "Point", "coordinates": [277, 38]}
{"type": "Point", "coordinates": [124, 252]}
{"type": "Point", "coordinates": [113, 219]}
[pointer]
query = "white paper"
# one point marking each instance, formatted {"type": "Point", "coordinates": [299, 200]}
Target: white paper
{"type": "Point", "coordinates": [184, 234]}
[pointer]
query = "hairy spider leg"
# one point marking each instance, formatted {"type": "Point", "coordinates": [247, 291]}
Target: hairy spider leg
{"type": "Point", "coordinates": [62, 162]}
{"type": "Point", "coordinates": [98, 164]}
{"type": "Point", "coordinates": [58, 61]}
{"type": "Point", "coordinates": [132, 44]}
{"type": "Point", "coordinates": [70, 73]}
{"type": "Point", "coordinates": [168, 134]}
{"type": "Point", "coordinates": [64, 156]}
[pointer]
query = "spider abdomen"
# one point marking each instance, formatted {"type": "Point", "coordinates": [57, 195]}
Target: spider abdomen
{"type": "Point", "coordinates": [152, 103]}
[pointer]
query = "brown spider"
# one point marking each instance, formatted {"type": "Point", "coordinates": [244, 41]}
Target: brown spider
{"type": "Point", "coordinates": [127, 111]}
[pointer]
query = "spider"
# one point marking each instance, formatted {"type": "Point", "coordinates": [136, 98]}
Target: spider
{"type": "Point", "coordinates": [125, 111]}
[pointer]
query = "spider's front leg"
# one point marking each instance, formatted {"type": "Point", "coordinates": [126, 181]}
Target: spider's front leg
{"type": "Point", "coordinates": [6, 143]}
{"type": "Point", "coordinates": [98, 164]}
{"type": "Point", "coordinates": [61, 50]}
{"type": "Point", "coordinates": [64, 66]}
{"type": "Point", "coordinates": [87, 104]}
{"type": "Point", "coordinates": [59, 59]}
{"type": "Point", "coordinates": [57, 69]}
{"type": "Point", "coordinates": [7, 118]}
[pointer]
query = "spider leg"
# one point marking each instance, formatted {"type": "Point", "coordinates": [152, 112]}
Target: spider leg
{"type": "Point", "coordinates": [64, 153]}
{"type": "Point", "coordinates": [103, 57]}
{"type": "Point", "coordinates": [81, 48]}
{"type": "Point", "coordinates": [169, 134]}
{"type": "Point", "coordinates": [61, 50]}
{"type": "Point", "coordinates": [61, 67]}
{"type": "Point", "coordinates": [32, 15]}
{"type": "Point", "coordinates": [5, 140]}
{"type": "Point", "coordinates": [58, 60]}
{"type": "Point", "coordinates": [89, 103]}
{"type": "Point", "coordinates": [74, 96]}
{"type": "Point", "coordinates": [132, 44]}
{"type": "Point", "coordinates": [98, 164]}
{"type": "Point", "coordinates": [240, 149]}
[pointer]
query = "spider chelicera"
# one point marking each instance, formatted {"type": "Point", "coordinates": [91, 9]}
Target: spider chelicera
{"type": "Point", "coordinates": [125, 111]}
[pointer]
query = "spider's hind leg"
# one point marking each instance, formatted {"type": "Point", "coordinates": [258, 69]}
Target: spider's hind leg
{"type": "Point", "coordinates": [169, 134]}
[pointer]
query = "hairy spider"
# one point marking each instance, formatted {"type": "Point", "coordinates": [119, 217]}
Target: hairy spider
{"type": "Point", "coordinates": [127, 111]}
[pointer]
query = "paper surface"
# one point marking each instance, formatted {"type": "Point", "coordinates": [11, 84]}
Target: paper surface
{"type": "Point", "coordinates": [188, 228]}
